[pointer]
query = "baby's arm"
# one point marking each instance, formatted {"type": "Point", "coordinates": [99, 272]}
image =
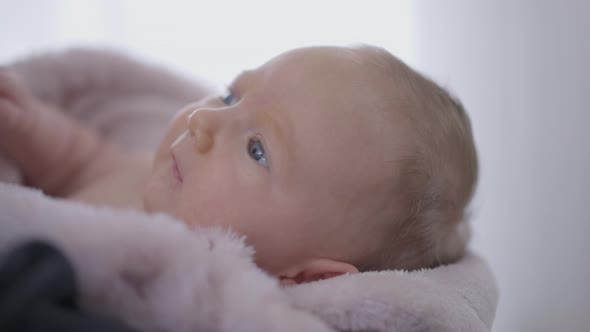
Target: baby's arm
{"type": "Point", "coordinates": [55, 153]}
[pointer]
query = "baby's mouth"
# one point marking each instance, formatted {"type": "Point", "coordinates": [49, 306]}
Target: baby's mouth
{"type": "Point", "coordinates": [176, 170]}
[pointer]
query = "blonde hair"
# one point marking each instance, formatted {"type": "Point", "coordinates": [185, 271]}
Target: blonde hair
{"type": "Point", "coordinates": [438, 175]}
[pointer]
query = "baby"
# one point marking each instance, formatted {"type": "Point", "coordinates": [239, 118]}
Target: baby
{"type": "Point", "coordinates": [329, 160]}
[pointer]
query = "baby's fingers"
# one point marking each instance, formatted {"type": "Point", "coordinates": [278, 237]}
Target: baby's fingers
{"type": "Point", "coordinates": [12, 87]}
{"type": "Point", "coordinates": [8, 113]}
{"type": "Point", "coordinates": [17, 109]}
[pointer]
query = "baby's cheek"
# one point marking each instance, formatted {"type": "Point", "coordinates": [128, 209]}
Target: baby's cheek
{"type": "Point", "coordinates": [199, 204]}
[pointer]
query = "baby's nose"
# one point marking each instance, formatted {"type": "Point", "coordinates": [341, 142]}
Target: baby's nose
{"type": "Point", "coordinates": [200, 130]}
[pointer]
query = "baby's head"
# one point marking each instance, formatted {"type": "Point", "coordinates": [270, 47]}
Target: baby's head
{"type": "Point", "coordinates": [329, 160]}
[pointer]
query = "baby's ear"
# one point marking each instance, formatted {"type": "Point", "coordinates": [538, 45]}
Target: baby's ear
{"type": "Point", "coordinates": [316, 269]}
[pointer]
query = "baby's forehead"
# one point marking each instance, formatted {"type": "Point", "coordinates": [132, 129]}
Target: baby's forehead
{"type": "Point", "coordinates": [337, 85]}
{"type": "Point", "coordinates": [333, 98]}
{"type": "Point", "coordinates": [336, 74]}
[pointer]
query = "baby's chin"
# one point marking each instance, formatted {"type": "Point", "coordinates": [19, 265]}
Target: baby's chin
{"type": "Point", "coordinates": [149, 200]}
{"type": "Point", "coordinates": [155, 196]}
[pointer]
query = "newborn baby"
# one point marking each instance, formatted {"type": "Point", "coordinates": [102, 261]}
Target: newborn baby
{"type": "Point", "coordinates": [329, 160]}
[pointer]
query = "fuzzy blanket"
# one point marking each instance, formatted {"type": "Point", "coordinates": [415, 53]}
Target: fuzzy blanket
{"type": "Point", "coordinates": [155, 274]}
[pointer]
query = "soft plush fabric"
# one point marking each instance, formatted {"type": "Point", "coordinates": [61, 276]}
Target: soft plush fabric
{"type": "Point", "coordinates": [155, 274]}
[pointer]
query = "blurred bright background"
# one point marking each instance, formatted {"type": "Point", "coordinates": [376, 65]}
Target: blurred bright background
{"type": "Point", "coordinates": [520, 67]}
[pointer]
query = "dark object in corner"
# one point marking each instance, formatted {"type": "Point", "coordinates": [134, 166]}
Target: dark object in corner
{"type": "Point", "coordinates": [38, 293]}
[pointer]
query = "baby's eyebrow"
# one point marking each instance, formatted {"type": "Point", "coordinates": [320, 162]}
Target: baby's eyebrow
{"type": "Point", "coordinates": [279, 127]}
{"type": "Point", "coordinates": [269, 122]}
{"type": "Point", "coordinates": [266, 119]}
{"type": "Point", "coordinates": [243, 77]}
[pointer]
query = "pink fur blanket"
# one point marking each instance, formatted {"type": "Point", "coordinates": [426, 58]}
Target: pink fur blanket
{"type": "Point", "coordinates": [155, 274]}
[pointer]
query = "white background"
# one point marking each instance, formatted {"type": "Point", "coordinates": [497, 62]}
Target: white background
{"type": "Point", "coordinates": [520, 67]}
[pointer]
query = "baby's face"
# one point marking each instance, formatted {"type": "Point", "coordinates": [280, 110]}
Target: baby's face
{"type": "Point", "coordinates": [292, 159]}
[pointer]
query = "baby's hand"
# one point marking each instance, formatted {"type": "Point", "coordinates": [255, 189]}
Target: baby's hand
{"type": "Point", "coordinates": [16, 106]}
{"type": "Point", "coordinates": [19, 121]}
{"type": "Point", "coordinates": [51, 149]}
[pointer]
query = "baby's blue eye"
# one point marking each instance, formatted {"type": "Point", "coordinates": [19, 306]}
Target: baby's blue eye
{"type": "Point", "coordinates": [229, 99]}
{"type": "Point", "coordinates": [256, 151]}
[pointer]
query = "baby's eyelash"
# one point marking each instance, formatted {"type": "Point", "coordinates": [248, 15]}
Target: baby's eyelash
{"type": "Point", "coordinates": [228, 97]}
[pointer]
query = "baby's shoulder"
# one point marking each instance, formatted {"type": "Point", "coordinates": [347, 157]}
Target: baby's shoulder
{"type": "Point", "coordinates": [118, 183]}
